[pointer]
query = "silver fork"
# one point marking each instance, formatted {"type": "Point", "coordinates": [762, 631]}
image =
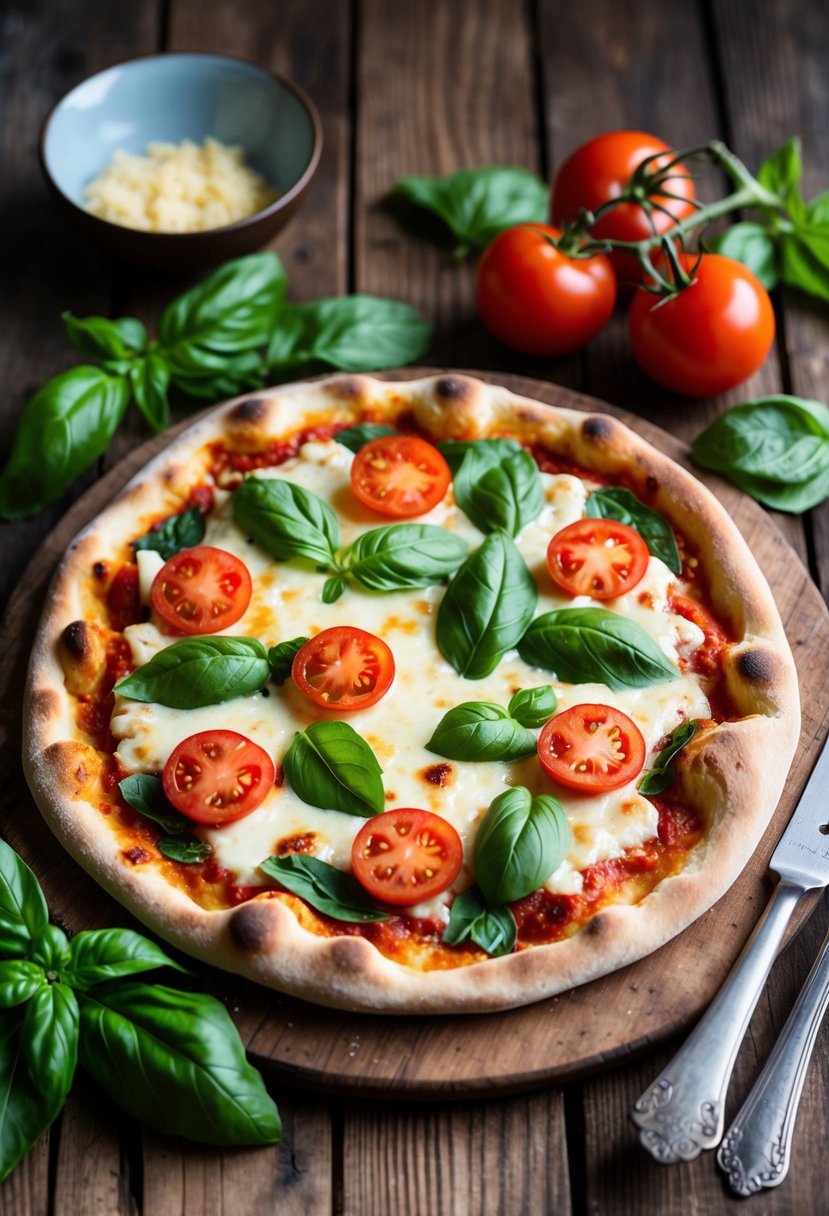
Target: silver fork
{"type": "Point", "coordinates": [756, 1149]}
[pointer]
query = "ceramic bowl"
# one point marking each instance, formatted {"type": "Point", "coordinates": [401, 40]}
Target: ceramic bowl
{"type": "Point", "coordinates": [170, 98]}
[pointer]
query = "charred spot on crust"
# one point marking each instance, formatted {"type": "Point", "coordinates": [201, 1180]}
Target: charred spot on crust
{"type": "Point", "coordinates": [346, 387]}
{"type": "Point", "coordinates": [756, 666]}
{"type": "Point", "coordinates": [76, 640]}
{"type": "Point", "coordinates": [347, 954]}
{"type": "Point", "coordinates": [45, 703]}
{"type": "Point", "coordinates": [597, 926]}
{"type": "Point", "coordinates": [597, 427]}
{"type": "Point", "coordinates": [253, 409]}
{"type": "Point", "coordinates": [454, 388]}
{"type": "Point", "coordinates": [250, 926]}
{"type": "Point", "coordinates": [438, 774]}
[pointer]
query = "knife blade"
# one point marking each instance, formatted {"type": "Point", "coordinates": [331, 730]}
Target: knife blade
{"type": "Point", "coordinates": [682, 1112]}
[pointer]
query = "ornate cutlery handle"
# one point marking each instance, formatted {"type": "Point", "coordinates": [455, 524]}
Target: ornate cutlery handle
{"type": "Point", "coordinates": [682, 1112]}
{"type": "Point", "coordinates": [757, 1147]}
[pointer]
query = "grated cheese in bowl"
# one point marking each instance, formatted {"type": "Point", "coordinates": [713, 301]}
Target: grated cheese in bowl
{"type": "Point", "coordinates": [178, 188]}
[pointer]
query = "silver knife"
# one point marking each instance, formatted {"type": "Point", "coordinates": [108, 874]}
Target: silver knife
{"type": "Point", "coordinates": [682, 1112]}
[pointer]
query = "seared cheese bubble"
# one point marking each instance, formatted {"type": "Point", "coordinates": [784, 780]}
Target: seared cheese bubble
{"type": "Point", "coordinates": [286, 603]}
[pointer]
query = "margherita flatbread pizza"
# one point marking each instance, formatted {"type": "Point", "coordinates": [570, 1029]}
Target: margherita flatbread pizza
{"type": "Point", "coordinates": [411, 697]}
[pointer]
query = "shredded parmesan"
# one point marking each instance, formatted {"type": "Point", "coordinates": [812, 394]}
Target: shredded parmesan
{"type": "Point", "coordinates": [178, 188]}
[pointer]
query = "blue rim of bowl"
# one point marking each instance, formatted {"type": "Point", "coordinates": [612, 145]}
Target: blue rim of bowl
{"type": "Point", "coordinates": [204, 233]}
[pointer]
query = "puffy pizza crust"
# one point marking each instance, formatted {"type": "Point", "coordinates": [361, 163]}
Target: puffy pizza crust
{"type": "Point", "coordinates": [732, 775]}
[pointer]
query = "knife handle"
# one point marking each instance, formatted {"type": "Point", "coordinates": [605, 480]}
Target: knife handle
{"type": "Point", "coordinates": [683, 1110]}
{"type": "Point", "coordinates": [756, 1150]}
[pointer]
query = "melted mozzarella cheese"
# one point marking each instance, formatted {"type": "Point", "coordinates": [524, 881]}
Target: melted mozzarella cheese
{"type": "Point", "coordinates": [286, 603]}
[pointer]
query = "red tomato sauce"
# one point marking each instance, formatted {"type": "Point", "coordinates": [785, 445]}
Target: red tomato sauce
{"type": "Point", "coordinates": [707, 659]}
{"type": "Point", "coordinates": [95, 710]}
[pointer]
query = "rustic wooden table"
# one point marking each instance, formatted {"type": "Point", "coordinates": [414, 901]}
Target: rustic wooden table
{"type": "Point", "coordinates": [425, 87]}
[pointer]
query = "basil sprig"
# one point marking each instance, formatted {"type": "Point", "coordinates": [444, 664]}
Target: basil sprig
{"type": "Point", "coordinates": [67, 1002]}
{"type": "Point", "coordinates": [492, 928]}
{"type": "Point", "coordinates": [199, 671]}
{"type": "Point", "coordinates": [208, 347]}
{"type": "Point", "coordinates": [353, 333]}
{"type": "Point", "coordinates": [498, 485]}
{"type": "Point", "coordinates": [521, 840]}
{"type": "Point", "coordinates": [477, 204]}
{"type": "Point", "coordinates": [324, 887]}
{"type": "Point", "coordinates": [482, 730]}
{"type": "Point", "coordinates": [615, 502]}
{"type": "Point", "coordinates": [145, 794]}
{"type": "Point", "coordinates": [487, 608]}
{"type": "Point", "coordinates": [775, 448]}
{"type": "Point", "coordinates": [662, 775]}
{"type": "Point", "coordinates": [330, 766]}
{"type": "Point", "coordinates": [287, 520]}
{"type": "Point", "coordinates": [595, 646]}
{"type": "Point", "coordinates": [181, 531]}
{"type": "Point", "coordinates": [356, 437]}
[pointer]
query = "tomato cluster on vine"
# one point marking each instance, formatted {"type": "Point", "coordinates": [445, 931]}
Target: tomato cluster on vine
{"type": "Point", "coordinates": [619, 206]}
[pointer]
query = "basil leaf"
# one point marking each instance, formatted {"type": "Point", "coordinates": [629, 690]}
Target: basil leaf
{"type": "Point", "coordinates": [782, 439]}
{"type": "Point", "coordinates": [663, 772]}
{"type": "Point", "coordinates": [229, 312]}
{"type": "Point", "coordinates": [493, 929]}
{"type": "Point", "coordinates": [403, 555]}
{"type": "Point", "coordinates": [615, 502]}
{"type": "Point", "coordinates": [477, 204]}
{"type": "Point", "coordinates": [23, 912]}
{"type": "Point", "coordinates": [356, 437]}
{"type": "Point", "coordinates": [201, 373]}
{"type": "Point", "coordinates": [795, 498]}
{"type": "Point", "coordinates": [804, 261]}
{"type": "Point", "coordinates": [332, 589]}
{"type": "Point", "coordinates": [145, 794]}
{"type": "Point", "coordinates": [753, 245]}
{"type": "Point", "coordinates": [330, 766]}
{"type": "Point", "coordinates": [532, 707]}
{"type": "Point", "coordinates": [149, 379]}
{"type": "Point", "coordinates": [488, 451]}
{"type": "Point", "coordinates": [65, 427]}
{"type": "Point", "coordinates": [781, 171]}
{"type": "Point", "coordinates": [487, 608]}
{"type": "Point", "coordinates": [188, 1075]}
{"type": "Point", "coordinates": [480, 730]}
{"type": "Point", "coordinates": [199, 671]}
{"type": "Point", "coordinates": [595, 646]}
{"type": "Point", "coordinates": [51, 949]}
{"type": "Point", "coordinates": [286, 520]}
{"type": "Point", "coordinates": [281, 658]}
{"type": "Point", "coordinates": [24, 1112]}
{"type": "Point", "coordinates": [503, 494]}
{"type": "Point", "coordinates": [324, 887]}
{"type": "Point", "coordinates": [50, 1043]}
{"type": "Point", "coordinates": [186, 849]}
{"type": "Point", "coordinates": [99, 955]}
{"type": "Point", "coordinates": [19, 980]}
{"type": "Point", "coordinates": [100, 338]}
{"type": "Point", "coordinates": [520, 842]}
{"type": "Point", "coordinates": [352, 333]}
{"type": "Point", "coordinates": [181, 531]}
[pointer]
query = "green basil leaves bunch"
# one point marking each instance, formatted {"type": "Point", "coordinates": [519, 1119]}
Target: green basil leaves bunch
{"type": "Point", "coordinates": [775, 448]}
{"type": "Point", "coordinates": [209, 346]}
{"type": "Point", "coordinates": [483, 730]}
{"type": "Point", "coordinates": [67, 1002]}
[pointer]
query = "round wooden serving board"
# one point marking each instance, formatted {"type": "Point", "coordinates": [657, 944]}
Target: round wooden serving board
{"type": "Point", "coordinates": [564, 1037]}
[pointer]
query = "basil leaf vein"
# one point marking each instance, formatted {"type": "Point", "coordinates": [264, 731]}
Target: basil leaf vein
{"type": "Point", "coordinates": [615, 502]}
{"type": "Point", "coordinates": [662, 775]}
{"type": "Point", "coordinates": [521, 840]}
{"type": "Point", "coordinates": [327, 889]}
{"type": "Point", "coordinates": [286, 520]}
{"type": "Point", "coordinates": [480, 730]}
{"type": "Point", "coordinates": [492, 928]}
{"type": "Point", "coordinates": [23, 912]}
{"type": "Point", "coordinates": [403, 555]}
{"type": "Point", "coordinates": [594, 645]}
{"type": "Point", "coordinates": [498, 491]}
{"type": "Point", "coordinates": [533, 707]}
{"type": "Point", "coordinates": [99, 955]}
{"type": "Point", "coordinates": [199, 671]}
{"type": "Point", "coordinates": [181, 531]}
{"type": "Point", "coordinates": [330, 766]}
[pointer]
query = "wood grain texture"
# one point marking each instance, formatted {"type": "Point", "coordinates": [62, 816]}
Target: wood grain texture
{"type": "Point", "coordinates": [499, 1159]}
{"type": "Point", "coordinates": [562, 1037]}
{"type": "Point", "coordinates": [293, 1178]}
{"type": "Point", "coordinates": [26, 1191]}
{"type": "Point", "coordinates": [93, 1172]}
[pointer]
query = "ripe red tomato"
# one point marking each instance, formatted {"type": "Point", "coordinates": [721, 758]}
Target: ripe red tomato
{"type": "Point", "coordinates": [201, 590]}
{"type": "Point", "coordinates": [406, 855]}
{"type": "Point", "coordinates": [591, 748]}
{"type": "Point", "coordinates": [710, 336]}
{"type": "Point", "coordinates": [343, 668]}
{"type": "Point", "coordinates": [539, 301]}
{"type": "Point", "coordinates": [597, 557]}
{"type": "Point", "coordinates": [400, 475]}
{"type": "Point", "coordinates": [597, 172]}
{"type": "Point", "coordinates": [217, 776]}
